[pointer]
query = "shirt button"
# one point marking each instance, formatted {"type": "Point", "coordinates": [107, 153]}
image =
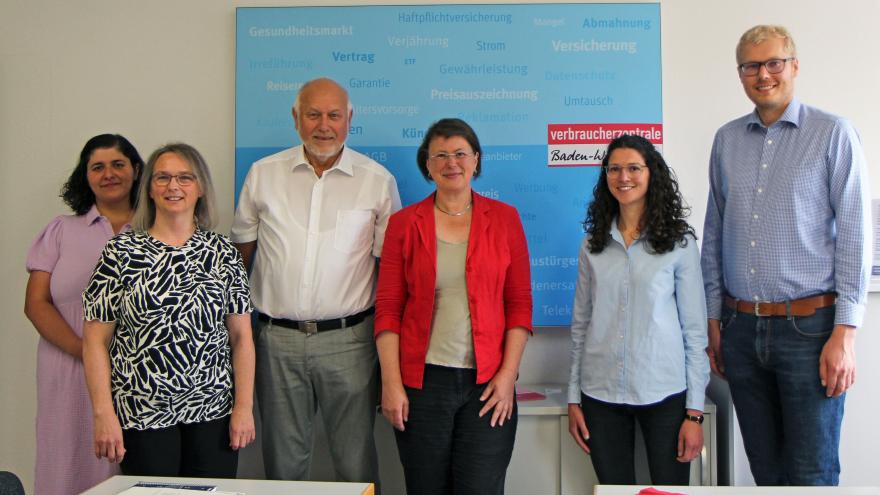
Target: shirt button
{"type": "Point", "coordinates": [760, 190]}
{"type": "Point", "coordinates": [752, 243]}
{"type": "Point", "coordinates": [769, 141]}
{"type": "Point", "coordinates": [755, 216]}
{"type": "Point", "coordinates": [763, 165]}
{"type": "Point", "coordinates": [752, 271]}
{"type": "Point", "coordinates": [755, 298]}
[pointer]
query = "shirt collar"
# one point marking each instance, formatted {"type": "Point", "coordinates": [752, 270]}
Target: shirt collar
{"type": "Point", "coordinates": [792, 115]}
{"type": "Point", "coordinates": [93, 215]}
{"type": "Point", "coordinates": [615, 233]}
{"type": "Point", "coordinates": [618, 237]}
{"type": "Point", "coordinates": [343, 163]}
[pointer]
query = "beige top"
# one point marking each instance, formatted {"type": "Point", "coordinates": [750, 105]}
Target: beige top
{"type": "Point", "coordinates": [452, 342]}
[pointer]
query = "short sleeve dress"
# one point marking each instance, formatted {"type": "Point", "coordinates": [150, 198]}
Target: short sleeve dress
{"type": "Point", "coordinates": [170, 357]}
{"type": "Point", "coordinates": [68, 248]}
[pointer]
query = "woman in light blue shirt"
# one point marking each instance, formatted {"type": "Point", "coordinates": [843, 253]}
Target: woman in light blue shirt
{"type": "Point", "coordinates": [638, 330]}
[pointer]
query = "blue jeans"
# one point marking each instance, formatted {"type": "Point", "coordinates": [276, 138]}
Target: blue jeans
{"type": "Point", "coordinates": [791, 430]}
{"type": "Point", "coordinates": [446, 447]}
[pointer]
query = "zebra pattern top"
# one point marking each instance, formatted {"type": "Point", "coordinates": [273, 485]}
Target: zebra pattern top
{"type": "Point", "coordinates": [170, 357]}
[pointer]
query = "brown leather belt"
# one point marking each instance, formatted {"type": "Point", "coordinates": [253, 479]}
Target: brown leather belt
{"type": "Point", "coordinates": [798, 307]}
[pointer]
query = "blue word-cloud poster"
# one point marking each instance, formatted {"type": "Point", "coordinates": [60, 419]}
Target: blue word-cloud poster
{"type": "Point", "coordinates": [545, 86]}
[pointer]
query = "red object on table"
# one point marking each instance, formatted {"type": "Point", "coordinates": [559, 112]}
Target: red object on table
{"type": "Point", "coordinates": [654, 491]}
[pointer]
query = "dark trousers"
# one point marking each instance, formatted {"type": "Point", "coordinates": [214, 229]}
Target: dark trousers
{"type": "Point", "coordinates": [612, 440]}
{"type": "Point", "coordinates": [790, 429]}
{"type": "Point", "coordinates": [446, 447]}
{"type": "Point", "coordinates": [198, 450]}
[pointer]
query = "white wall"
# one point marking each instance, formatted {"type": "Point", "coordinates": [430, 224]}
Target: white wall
{"type": "Point", "coordinates": [838, 72]}
{"type": "Point", "coordinates": [161, 70]}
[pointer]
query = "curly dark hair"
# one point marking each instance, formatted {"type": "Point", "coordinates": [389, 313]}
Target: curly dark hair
{"type": "Point", "coordinates": [663, 224]}
{"type": "Point", "coordinates": [447, 128]}
{"type": "Point", "coordinates": [76, 192]}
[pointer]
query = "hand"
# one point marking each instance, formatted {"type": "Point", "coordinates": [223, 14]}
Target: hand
{"type": "Point", "coordinates": [241, 428]}
{"type": "Point", "coordinates": [690, 440]}
{"type": "Point", "coordinates": [395, 405]}
{"type": "Point", "coordinates": [714, 349]}
{"type": "Point", "coordinates": [499, 394]}
{"type": "Point", "coordinates": [577, 426]}
{"type": "Point", "coordinates": [108, 437]}
{"type": "Point", "coordinates": [837, 363]}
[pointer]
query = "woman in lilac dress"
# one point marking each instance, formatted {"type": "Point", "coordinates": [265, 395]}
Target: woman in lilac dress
{"type": "Point", "coordinates": [101, 191]}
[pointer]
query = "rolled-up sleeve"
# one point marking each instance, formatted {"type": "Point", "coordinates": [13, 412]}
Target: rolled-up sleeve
{"type": "Point", "coordinates": [389, 205]}
{"type": "Point", "coordinates": [246, 223]}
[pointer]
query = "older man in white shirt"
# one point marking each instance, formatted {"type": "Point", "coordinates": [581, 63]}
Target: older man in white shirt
{"type": "Point", "coordinates": [310, 221]}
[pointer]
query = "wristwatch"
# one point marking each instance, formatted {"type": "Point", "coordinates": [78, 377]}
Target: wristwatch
{"type": "Point", "coordinates": [696, 419]}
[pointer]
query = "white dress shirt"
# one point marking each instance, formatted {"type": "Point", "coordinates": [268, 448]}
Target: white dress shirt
{"type": "Point", "coordinates": [317, 238]}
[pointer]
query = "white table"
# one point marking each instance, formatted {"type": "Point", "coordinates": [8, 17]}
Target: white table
{"type": "Point", "coordinates": [741, 490]}
{"type": "Point", "coordinates": [117, 484]}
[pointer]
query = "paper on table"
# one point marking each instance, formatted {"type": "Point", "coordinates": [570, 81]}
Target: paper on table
{"type": "Point", "coordinates": [184, 486]}
{"type": "Point", "coordinates": [524, 394]}
{"type": "Point", "coordinates": [144, 490]}
{"type": "Point", "coordinates": [654, 491]}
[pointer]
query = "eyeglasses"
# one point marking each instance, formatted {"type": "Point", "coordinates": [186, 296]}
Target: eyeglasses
{"type": "Point", "coordinates": [632, 170]}
{"type": "Point", "coordinates": [773, 66]}
{"type": "Point", "coordinates": [444, 156]}
{"type": "Point", "coordinates": [182, 179]}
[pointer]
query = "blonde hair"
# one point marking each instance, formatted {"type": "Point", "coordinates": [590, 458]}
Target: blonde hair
{"type": "Point", "coordinates": [206, 206]}
{"type": "Point", "coordinates": [761, 33]}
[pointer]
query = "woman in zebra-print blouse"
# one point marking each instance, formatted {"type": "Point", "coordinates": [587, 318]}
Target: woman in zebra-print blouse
{"type": "Point", "coordinates": [168, 352]}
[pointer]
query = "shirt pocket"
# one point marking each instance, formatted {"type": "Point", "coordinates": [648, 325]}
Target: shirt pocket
{"type": "Point", "coordinates": [354, 230]}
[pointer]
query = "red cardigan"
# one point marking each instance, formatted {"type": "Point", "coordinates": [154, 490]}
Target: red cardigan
{"type": "Point", "coordinates": [496, 272]}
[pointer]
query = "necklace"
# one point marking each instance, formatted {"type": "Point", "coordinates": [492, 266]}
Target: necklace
{"type": "Point", "coordinates": [456, 214]}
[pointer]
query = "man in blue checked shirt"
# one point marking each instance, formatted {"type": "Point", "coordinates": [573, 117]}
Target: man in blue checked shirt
{"type": "Point", "coordinates": [786, 264]}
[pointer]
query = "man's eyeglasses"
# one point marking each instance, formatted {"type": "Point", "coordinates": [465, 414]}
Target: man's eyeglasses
{"type": "Point", "coordinates": [773, 66]}
{"type": "Point", "coordinates": [443, 156]}
{"type": "Point", "coordinates": [182, 179]}
{"type": "Point", "coordinates": [632, 170]}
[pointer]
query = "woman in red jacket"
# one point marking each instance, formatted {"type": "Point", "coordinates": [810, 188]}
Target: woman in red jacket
{"type": "Point", "coordinates": [453, 313]}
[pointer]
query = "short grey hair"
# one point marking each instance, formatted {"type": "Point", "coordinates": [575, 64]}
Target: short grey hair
{"type": "Point", "coordinates": [298, 102]}
{"type": "Point", "coordinates": [761, 33]}
{"type": "Point", "coordinates": [206, 206]}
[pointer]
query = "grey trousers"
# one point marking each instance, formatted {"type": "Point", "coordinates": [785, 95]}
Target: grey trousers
{"type": "Point", "coordinates": [336, 370]}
